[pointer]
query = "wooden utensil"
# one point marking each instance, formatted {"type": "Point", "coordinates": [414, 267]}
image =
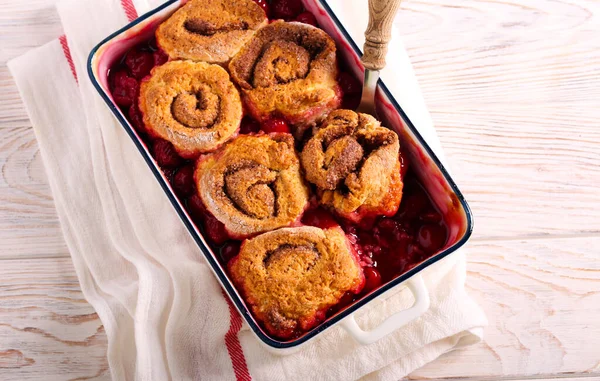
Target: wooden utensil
{"type": "Point", "coordinates": [377, 36]}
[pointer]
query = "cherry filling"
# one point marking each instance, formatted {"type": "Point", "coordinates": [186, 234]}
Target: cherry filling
{"type": "Point", "coordinates": [165, 154]}
{"type": "Point", "coordinates": [307, 18]}
{"type": "Point", "coordinates": [386, 246]}
{"type": "Point", "coordinates": [139, 62]}
{"type": "Point", "coordinates": [124, 89]}
{"type": "Point", "coordinates": [183, 181]}
{"type": "Point", "coordinates": [275, 125]}
{"type": "Point", "coordinates": [249, 126]}
{"type": "Point", "coordinates": [211, 227]}
{"type": "Point", "coordinates": [319, 217]}
{"type": "Point", "coordinates": [264, 4]}
{"type": "Point", "coordinates": [286, 9]}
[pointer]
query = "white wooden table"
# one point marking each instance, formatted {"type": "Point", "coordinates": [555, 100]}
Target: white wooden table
{"type": "Point", "coordinates": [514, 89]}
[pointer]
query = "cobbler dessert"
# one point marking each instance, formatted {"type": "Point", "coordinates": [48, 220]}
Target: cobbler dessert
{"type": "Point", "coordinates": [308, 204]}
{"type": "Point", "coordinates": [253, 184]}
{"type": "Point", "coordinates": [354, 163]}
{"type": "Point", "coordinates": [193, 105]}
{"type": "Point", "coordinates": [210, 30]}
{"type": "Point", "coordinates": [288, 70]}
{"type": "Point", "coordinates": [290, 277]}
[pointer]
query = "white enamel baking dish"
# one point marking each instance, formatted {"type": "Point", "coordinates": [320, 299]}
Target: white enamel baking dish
{"type": "Point", "coordinates": [431, 172]}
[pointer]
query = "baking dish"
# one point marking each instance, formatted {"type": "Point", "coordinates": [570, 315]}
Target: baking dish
{"type": "Point", "coordinates": [438, 183]}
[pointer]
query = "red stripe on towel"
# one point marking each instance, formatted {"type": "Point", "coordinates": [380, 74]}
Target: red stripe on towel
{"type": "Point", "coordinates": [129, 9]}
{"type": "Point", "coordinates": [67, 52]}
{"type": "Point", "coordinates": [233, 344]}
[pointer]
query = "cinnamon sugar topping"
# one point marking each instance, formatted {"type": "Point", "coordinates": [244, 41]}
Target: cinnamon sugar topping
{"type": "Point", "coordinates": [353, 161]}
{"type": "Point", "coordinates": [210, 30]}
{"type": "Point", "coordinates": [254, 184]}
{"type": "Point", "coordinates": [288, 70]}
{"type": "Point", "coordinates": [292, 275]}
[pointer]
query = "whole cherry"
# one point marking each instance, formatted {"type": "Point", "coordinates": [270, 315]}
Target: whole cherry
{"type": "Point", "coordinates": [229, 250]}
{"type": "Point", "coordinates": [139, 63]}
{"type": "Point", "coordinates": [286, 9]}
{"type": "Point", "coordinates": [275, 125]}
{"type": "Point", "coordinates": [196, 208]}
{"type": "Point", "coordinates": [372, 279]}
{"type": "Point", "coordinates": [431, 237]}
{"type": "Point", "coordinates": [183, 181]}
{"type": "Point", "coordinates": [307, 18]}
{"type": "Point", "coordinates": [160, 57]}
{"type": "Point", "coordinates": [215, 229]}
{"type": "Point", "coordinates": [165, 154]}
{"type": "Point", "coordinates": [135, 118]}
{"type": "Point", "coordinates": [125, 89]}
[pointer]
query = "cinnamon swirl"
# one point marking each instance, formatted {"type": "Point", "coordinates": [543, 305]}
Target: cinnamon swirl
{"type": "Point", "coordinates": [193, 105]}
{"type": "Point", "coordinates": [288, 70]}
{"type": "Point", "coordinates": [253, 184]}
{"type": "Point", "coordinates": [209, 30]}
{"type": "Point", "coordinates": [291, 276]}
{"type": "Point", "coordinates": [355, 164]}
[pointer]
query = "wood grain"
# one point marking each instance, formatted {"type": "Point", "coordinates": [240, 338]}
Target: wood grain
{"type": "Point", "coordinates": [28, 222]}
{"type": "Point", "coordinates": [47, 329]}
{"type": "Point", "coordinates": [379, 32]}
{"type": "Point", "coordinates": [513, 88]}
{"type": "Point", "coordinates": [542, 299]}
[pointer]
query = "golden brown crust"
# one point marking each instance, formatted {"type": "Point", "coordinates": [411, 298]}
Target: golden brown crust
{"type": "Point", "coordinates": [193, 105]}
{"type": "Point", "coordinates": [291, 276]}
{"type": "Point", "coordinates": [355, 163]}
{"type": "Point", "coordinates": [209, 30]}
{"type": "Point", "coordinates": [253, 184]}
{"type": "Point", "coordinates": [289, 70]}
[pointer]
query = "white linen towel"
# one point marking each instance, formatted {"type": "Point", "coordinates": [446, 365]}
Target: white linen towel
{"type": "Point", "coordinates": [163, 310]}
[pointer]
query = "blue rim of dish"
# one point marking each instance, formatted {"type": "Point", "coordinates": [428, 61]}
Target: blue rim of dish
{"type": "Point", "coordinates": [205, 250]}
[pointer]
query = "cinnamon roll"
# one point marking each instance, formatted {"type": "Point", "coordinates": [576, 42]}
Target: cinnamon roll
{"type": "Point", "coordinates": [253, 184]}
{"type": "Point", "coordinates": [291, 276]}
{"type": "Point", "coordinates": [288, 70]}
{"type": "Point", "coordinates": [193, 105]}
{"type": "Point", "coordinates": [209, 30]}
{"type": "Point", "coordinates": [355, 164]}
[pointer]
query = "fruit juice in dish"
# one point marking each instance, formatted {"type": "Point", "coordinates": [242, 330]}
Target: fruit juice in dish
{"type": "Point", "coordinates": [385, 246]}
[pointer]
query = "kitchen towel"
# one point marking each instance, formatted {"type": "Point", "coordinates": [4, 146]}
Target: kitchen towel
{"type": "Point", "coordinates": [163, 310]}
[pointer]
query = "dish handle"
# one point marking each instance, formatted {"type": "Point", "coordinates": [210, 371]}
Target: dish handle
{"type": "Point", "coordinates": [417, 286]}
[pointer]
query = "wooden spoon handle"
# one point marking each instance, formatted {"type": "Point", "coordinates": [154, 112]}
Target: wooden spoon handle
{"type": "Point", "coordinates": [379, 32]}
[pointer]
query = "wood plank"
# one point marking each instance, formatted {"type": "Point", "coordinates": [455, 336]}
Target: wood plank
{"type": "Point", "coordinates": [23, 26]}
{"type": "Point", "coordinates": [542, 300]}
{"type": "Point", "coordinates": [12, 109]}
{"type": "Point", "coordinates": [509, 106]}
{"type": "Point", "coordinates": [558, 377]}
{"type": "Point", "coordinates": [511, 87]}
{"type": "Point", "coordinates": [28, 222]}
{"type": "Point", "coordinates": [47, 329]}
